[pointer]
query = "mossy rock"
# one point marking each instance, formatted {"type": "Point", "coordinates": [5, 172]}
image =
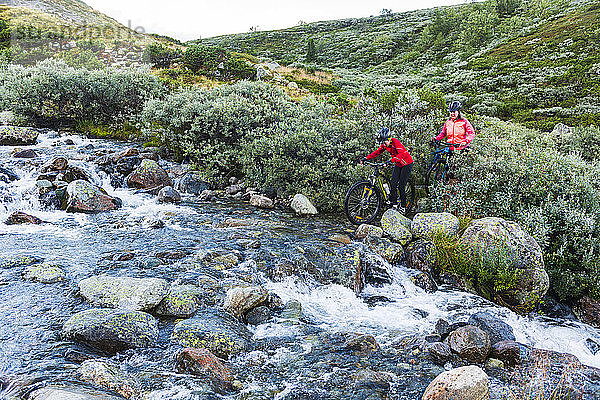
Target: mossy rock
{"type": "Point", "coordinates": [148, 175]}
{"type": "Point", "coordinates": [44, 273]}
{"type": "Point", "coordinates": [507, 244]}
{"type": "Point", "coordinates": [17, 136]}
{"type": "Point", "coordinates": [84, 197]}
{"type": "Point", "coordinates": [112, 330]}
{"type": "Point", "coordinates": [182, 301]}
{"type": "Point", "coordinates": [214, 330]}
{"type": "Point", "coordinates": [426, 224]}
{"type": "Point", "coordinates": [124, 292]}
{"type": "Point", "coordinates": [396, 226]}
{"type": "Point", "coordinates": [23, 261]}
{"type": "Point", "coordinates": [391, 252]}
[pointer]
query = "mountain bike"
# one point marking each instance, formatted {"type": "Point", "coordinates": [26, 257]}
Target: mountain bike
{"type": "Point", "coordinates": [366, 199]}
{"type": "Point", "coordinates": [439, 168]}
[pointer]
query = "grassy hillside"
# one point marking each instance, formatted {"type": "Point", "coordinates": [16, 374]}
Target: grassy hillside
{"type": "Point", "coordinates": [532, 61]}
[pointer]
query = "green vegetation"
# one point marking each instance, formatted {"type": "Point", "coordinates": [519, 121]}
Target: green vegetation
{"type": "Point", "coordinates": [491, 274]}
{"type": "Point", "coordinates": [161, 56]}
{"type": "Point", "coordinates": [216, 62]}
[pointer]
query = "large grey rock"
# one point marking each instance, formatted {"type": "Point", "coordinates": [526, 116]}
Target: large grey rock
{"type": "Point", "coordinates": [464, 383]}
{"type": "Point", "coordinates": [54, 165]}
{"type": "Point", "coordinates": [259, 201]}
{"type": "Point", "coordinates": [394, 225]}
{"type": "Point", "coordinates": [70, 393]}
{"type": "Point", "coordinates": [240, 300]}
{"type": "Point", "coordinates": [496, 329]}
{"type": "Point", "coordinates": [122, 292]}
{"type": "Point", "coordinates": [112, 330]}
{"type": "Point", "coordinates": [193, 183]}
{"type": "Point", "coordinates": [505, 243]}
{"type": "Point", "coordinates": [17, 136]}
{"type": "Point", "coordinates": [214, 330]}
{"type": "Point", "coordinates": [470, 343]}
{"type": "Point", "coordinates": [82, 196]}
{"type": "Point", "coordinates": [421, 255]}
{"type": "Point", "coordinates": [169, 195]}
{"type": "Point", "coordinates": [148, 175]}
{"type": "Point", "coordinates": [302, 205]}
{"type": "Point", "coordinates": [425, 225]}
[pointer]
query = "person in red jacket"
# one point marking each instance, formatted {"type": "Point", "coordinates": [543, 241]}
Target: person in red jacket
{"type": "Point", "coordinates": [402, 169]}
{"type": "Point", "coordinates": [457, 130]}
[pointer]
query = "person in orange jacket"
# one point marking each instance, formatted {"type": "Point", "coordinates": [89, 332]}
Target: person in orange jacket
{"type": "Point", "coordinates": [402, 168]}
{"type": "Point", "coordinates": [457, 130]}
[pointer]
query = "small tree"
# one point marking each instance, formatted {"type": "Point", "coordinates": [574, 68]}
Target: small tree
{"type": "Point", "coordinates": [386, 11]}
{"type": "Point", "coordinates": [160, 56]}
{"type": "Point", "coordinates": [506, 8]}
{"type": "Point", "coordinates": [205, 58]}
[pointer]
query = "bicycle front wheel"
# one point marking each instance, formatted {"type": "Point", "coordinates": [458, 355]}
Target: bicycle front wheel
{"type": "Point", "coordinates": [437, 173]}
{"type": "Point", "coordinates": [363, 203]}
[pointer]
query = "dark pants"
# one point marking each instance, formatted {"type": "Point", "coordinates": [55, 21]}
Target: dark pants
{"type": "Point", "coordinates": [399, 178]}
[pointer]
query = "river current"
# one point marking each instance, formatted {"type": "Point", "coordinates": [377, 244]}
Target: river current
{"type": "Point", "coordinates": [33, 352]}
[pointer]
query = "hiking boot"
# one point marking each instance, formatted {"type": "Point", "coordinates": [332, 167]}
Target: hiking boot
{"type": "Point", "coordinates": [398, 208]}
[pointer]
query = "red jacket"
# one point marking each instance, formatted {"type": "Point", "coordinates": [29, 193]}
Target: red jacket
{"type": "Point", "coordinates": [399, 153]}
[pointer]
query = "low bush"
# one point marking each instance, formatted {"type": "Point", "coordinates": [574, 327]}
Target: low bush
{"type": "Point", "coordinates": [161, 56]}
{"type": "Point", "coordinates": [53, 94]}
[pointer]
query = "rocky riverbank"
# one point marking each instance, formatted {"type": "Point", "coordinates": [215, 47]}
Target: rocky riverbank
{"type": "Point", "coordinates": [128, 276]}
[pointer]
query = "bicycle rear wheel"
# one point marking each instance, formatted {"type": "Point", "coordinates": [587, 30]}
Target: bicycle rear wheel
{"type": "Point", "coordinates": [363, 203]}
{"type": "Point", "coordinates": [437, 173]}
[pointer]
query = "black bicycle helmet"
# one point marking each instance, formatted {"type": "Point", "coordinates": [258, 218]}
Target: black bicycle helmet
{"type": "Point", "coordinates": [384, 134]}
{"type": "Point", "coordinates": [454, 106]}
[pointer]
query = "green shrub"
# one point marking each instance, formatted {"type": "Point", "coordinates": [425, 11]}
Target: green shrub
{"type": "Point", "coordinates": [52, 94]}
{"type": "Point", "coordinates": [237, 69]}
{"type": "Point", "coordinates": [204, 58]}
{"type": "Point", "coordinates": [160, 56]}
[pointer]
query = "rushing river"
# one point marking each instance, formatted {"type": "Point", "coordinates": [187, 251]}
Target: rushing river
{"type": "Point", "coordinates": [33, 353]}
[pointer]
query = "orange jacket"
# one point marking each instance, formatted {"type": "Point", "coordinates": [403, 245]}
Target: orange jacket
{"type": "Point", "coordinates": [457, 131]}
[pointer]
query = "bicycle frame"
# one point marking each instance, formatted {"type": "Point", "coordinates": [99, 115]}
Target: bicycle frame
{"type": "Point", "coordinates": [379, 180]}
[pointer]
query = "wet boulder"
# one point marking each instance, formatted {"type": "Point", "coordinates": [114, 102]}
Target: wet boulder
{"type": "Point", "coordinates": [426, 224]}
{"type": "Point", "coordinates": [440, 353]}
{"type": "Point", "coordinates": [219, 332]}
{"type": "Point", "coordinates": [148, 175]}
{"type": "Point", "coordinates": [82, 196]}
{"type": "Point", "coordinates": [588, 311]}
{"type": "Point", "coordinates": [112, 330]}
{"type": "Point", "coordinates": [496, 329]}
{"type": "Point", "coordinates": [259, 201]}
{"type": "Point", "coordinates": [371, 270]}
{"type": "Point", "coordinates": [201, 362]}
{"type": "Point", "coordinates": [396, 226]}
{"type": "Point", "coordinates": [27, 153]}
{"type": "Point", "coordinates": [424, 281]}
{"type": "Point", "coordinates": [56, 164]}
{"type": "Point", "coordinates": [345, 269]}
{"type": "Point", "coordinates": [123, 292]}
{"type": "Point", "coordinates": [509, 351]}
{"type": "Point", "coordinates": [360, 343]}
{"type": "Point", "coordinates": [182, 302]}
{"type": "Point", "coordinates": [240, 300]}
{"type": "Point", "coordinates": [364, 230]}
{"type": "Point", "coordinates": [19, 217]}
{"type": "Point", "coordinates": [71, 174]}
{"type": "Point", "coordinates": [258, 315]}
{"type": "Point", "coordinates": [169, 195]}
{"type": "Point", "coordinates": [391, 252]}
{"type": "Point", "coordinates": [70, 393]}
{"type": "Point", "coordinates": [302, 205]}
{"type": "Point", "coordinates": [421, 255]}
{"type": "Point", "coordinates": [193, 183]}
{"type": "Point", "coordinates": [470, 343]}
{"type": "Point", "coordinates": [44, 273]}
{"type": "Point", "coordinates": [464, 383]}
{"type": "Point", "coordinates": [6, 175]}
{"type": "Point", "coordinates": [109, 377]}
{"type": "Point", "coordinates": [17, 136]}
{"type": "Point", "coordinates": [506, 243]}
